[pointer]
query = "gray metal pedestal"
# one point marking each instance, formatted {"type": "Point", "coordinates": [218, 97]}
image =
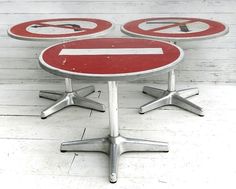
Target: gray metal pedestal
{"type": "Point", "coordinates": [171, 97]}
{"type": "Point", "coordinates": [114, 145]}
{"type": "Point", "coordinates": [69, 98]}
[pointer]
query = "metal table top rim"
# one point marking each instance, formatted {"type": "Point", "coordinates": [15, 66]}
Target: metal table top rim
{"type": "Point", "coordinates": [110, 77]}
{"type": "Point", "coordinates": [175, 39]}
{"type": "Point", "coordinates": [87, 36]}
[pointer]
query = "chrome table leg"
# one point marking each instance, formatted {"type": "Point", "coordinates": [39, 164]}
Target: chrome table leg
{"type": "Point", "coordinates": [171, 97]}
{"type": "Point", "coordinates": [51, 95]}
{"type": "Point", "coordinates": [186, 93]}
{"type": "Point", "coordinates": [61, 103]}
{"type": "Point", "coordinates": [114, 145]}
{"type": "Point", "coordinates": [90, 145]}
{"type": "Point", "coordinates": [70, 98]}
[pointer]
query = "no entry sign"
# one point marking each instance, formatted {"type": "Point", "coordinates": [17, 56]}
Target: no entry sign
{"type": "Point", "coordinates": [175, 28]}
{"type": "Point", "coordinates": [61, 28]}
{"type": "Point", "coordinates": [109, 58]}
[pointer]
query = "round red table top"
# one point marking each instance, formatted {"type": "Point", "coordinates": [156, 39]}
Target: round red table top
{"type": "Point", "coordinates": [175, 28]}
{"type": "Point", "coordinates": [110, 58]}
{"type": "Point", "coordinates": [60, 28]}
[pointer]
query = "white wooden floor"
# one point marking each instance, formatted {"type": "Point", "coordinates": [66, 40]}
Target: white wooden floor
{"type": "Point", "coordinates": [202, 149]}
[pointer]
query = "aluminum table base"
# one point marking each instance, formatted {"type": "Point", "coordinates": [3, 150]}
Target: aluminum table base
{"type": "Point", "coordinates": [171, 97]}
{"type": "Point", "coordinates": [114, 147]}
{"type": "Point", "coordinates": [175, 98]}
{"type": "Point", "coordinates": [73, 98]}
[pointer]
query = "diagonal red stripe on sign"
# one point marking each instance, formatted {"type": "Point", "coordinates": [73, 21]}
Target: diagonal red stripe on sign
{"type": "Point", "coordinates": [172, 25]}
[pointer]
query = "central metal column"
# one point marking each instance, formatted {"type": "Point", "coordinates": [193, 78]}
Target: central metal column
{"type": "Point", "coordinates": [68, 83]}
{"type": "Point", "coordinates": [171, 80]}
{"type": "Point", "coordinates": [113, 108]}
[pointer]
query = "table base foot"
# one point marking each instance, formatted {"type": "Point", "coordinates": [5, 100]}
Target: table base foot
{"type": "Point", "coordinates": [175, 98]}
{"type": "Point", "coordinates": [50, 95]}
{"type": "Point", "coordinates": [114, 147]}
{"type": "Point", "coordinates": [65, 99]}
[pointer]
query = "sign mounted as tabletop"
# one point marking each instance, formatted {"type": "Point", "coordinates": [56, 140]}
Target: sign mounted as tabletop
{"type": "Point", "coordinates": [60, 28]}
{"type": "Point", "coordinates": [63, 29]}
{"type": "Point", "coordinates": [111, 60]}
{"type": "Point", "coordinates": [175, 28]}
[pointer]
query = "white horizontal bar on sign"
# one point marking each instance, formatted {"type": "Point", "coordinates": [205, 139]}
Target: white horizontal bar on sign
{"type": "Point", "coordinates": [111, 51]}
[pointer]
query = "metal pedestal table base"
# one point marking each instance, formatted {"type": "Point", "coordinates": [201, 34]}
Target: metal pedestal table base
{"type": "Point", "coordinates": [171, 97]}
{"type": "Point", "coordinates": [175, 98]}
{"type": "Point", "coordinates": [69, 98]}
{"type": "Point", "coordinates": [114, 145]}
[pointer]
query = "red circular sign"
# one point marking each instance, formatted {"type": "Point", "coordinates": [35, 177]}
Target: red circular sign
{"type": "Point", "coordinates": [175, 28]}
{"type": "Point", "coordinates": [110, 57]}
{"type": "Point", "coordinates": [60, 28]}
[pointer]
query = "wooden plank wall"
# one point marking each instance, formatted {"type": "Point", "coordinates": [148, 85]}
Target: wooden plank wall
{"type": "Point", "coordinates": [205, 61]}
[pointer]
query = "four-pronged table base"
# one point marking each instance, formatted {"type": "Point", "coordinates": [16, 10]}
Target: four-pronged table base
{"type": "Point", "coordinates": [114, 147]}
{"type": "Point", "coordinates": [175, 98]}
{"type": "Point", "coordinates": [65, 99]}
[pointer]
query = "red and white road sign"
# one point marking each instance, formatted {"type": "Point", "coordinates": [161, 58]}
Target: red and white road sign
{"type": "Point", "coordinates": [59, 28]}
{"type": "Point", "coordinates": [175, 28]}
{"type": "Point", "coordinates": [110, 56]}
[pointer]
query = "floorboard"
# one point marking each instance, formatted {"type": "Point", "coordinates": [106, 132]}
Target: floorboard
{"type": "Point", "coordinates": [202, 149]}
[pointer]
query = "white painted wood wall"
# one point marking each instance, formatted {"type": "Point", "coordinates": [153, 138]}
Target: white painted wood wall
{"type": "Point", "coordinates": [201, 149]}
{"type": "Point", "coordinates": [205, 61]}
